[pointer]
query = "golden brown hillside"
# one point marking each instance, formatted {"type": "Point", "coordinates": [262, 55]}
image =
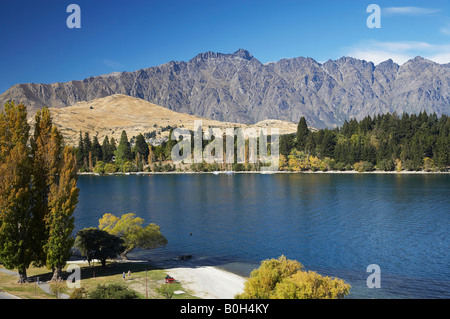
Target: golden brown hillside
{"type": "Point", "coordinates": [112, 114]}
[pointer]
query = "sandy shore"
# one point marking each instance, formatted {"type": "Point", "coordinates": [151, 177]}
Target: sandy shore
{"type": "Point", "coordinates": [208, 282]}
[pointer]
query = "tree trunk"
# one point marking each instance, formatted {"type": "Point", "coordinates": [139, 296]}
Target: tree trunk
{"type": "Point", "coordinates": [123, 255]}
{"type": "Point", "coordinates": [22, 276]}
{"type": "Point", "coordinates": [57, 274]}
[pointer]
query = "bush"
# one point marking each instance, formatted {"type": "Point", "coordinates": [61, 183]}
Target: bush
{"type": "Point", "coordinates": [99, 167]}
{"type": "Point", "coordinates": [128, 167]}
{"type": "Point", "coordinates": [363, 166]}
{"type": "Point", "coordinates": [110, 168]}
{"type": "Point", "coordinates": [112, 291]}
{"type": "Point", "coordinates": [340, 166]}
{"type": "Point", "coordinates": [428, 165]}
{"type": "Point", "coordinates": [410, 165]}
{"type": "Point", "coordinates": [167, 290]}
{"type": "Point", "coordinates": [386, 165]}
{"type": "Point", "coordinates": [79, 293]}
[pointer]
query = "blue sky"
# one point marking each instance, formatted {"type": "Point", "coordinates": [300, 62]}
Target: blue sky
{"type": "Point", "coordinates": [37, 46]}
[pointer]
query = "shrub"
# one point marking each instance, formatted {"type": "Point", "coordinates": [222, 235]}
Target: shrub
{"type": "Point", "coordinates": [363, 166]}
{"type": "Point", "coordinates": [110, 168]}
{"type": "Point", "coordinates": [340, 166]}
{"type": "Point", "coordinates": [128, 167]}
{"type": "Point", "coordinates": [386, 165]}
{"type": "Point", "coordinates": [112, 291]}
{"type": "Point", "coordinates": [99, 167]}
{"type": "Point", "coordinates": [79, 293]}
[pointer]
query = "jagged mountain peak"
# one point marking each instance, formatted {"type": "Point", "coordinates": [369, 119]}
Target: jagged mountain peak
{"type": "Point", "coordinates": [236, 87]}
{"type": "Point", "coordinates": [242, 53]}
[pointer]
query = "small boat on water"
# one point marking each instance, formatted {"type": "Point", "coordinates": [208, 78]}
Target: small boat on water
{"type": "Point", "coordinates": [216, 173]}
{"type": "Point", "coordinates": [229, 172]}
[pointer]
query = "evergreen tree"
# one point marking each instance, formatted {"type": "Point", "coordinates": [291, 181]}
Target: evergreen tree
{"type": "Point", "coordinates": [80, 150]}
{"type": "Point", "coordinates": [141, 146]}
{"type": "Point", "coordinates": [286, 144]}
{"type": "Point", "coordinates": [107, 153]}
{"type": "Point", "coordinates": [87, 146]}
{"type": "Point", "coordinates": [112, 144]}
{"type": "Point", "coordinates": [123, 153]}
{"type": "Point", "coordinates": [302, 133]}
{"type": "Point", "coordinates": [97, 152]}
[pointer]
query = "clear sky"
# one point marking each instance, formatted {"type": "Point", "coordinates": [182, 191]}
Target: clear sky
{"type": "Point", "coordinates": [117, 35]}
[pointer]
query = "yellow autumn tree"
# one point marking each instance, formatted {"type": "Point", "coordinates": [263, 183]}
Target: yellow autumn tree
{"type": "Point", "coordinates": [285, 279]}
{"type": "Point", "coordinates": [310, 285]}
{"type": "Point", "coordinates": [262, 281]}
{"type": "Point", "coordinates": [398, 165]}
{"type": "Point", "coordinates": [130, 229]}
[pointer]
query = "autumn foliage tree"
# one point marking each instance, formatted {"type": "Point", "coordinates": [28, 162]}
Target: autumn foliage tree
{"type": "Point", "coordinates": [285, 279]}
{"type": "Point", "coordinates": [16, 193]}
{"type": "Point", "coordinates": [59, 222]}
{"type": "Point", "coordinates": [129, 228]}
{"type": "Point", "coordinates": [38, 192]}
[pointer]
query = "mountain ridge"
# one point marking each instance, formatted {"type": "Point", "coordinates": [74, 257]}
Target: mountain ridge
{"type": "Point", "coordinates": [237, 87]}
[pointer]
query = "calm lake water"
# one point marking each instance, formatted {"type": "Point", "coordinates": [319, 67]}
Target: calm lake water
{"type": "Point", "coordinates": [335, 224]}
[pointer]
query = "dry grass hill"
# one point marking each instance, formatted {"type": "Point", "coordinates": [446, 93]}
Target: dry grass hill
{"type": "Point", "coordinates": [112, 114]}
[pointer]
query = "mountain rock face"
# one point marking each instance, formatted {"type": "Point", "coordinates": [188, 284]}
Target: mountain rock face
{"type": "Point", "coordinates": [239, 88]}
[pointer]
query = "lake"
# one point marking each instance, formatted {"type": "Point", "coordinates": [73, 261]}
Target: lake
{"type": "Point", "coordinates": [335, 224]}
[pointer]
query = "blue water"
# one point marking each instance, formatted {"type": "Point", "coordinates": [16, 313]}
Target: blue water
{"type": "Point", "coordinates": [335, 224]}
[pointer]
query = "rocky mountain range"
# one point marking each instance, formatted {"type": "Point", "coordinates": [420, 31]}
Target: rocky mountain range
{"type": "Point", "coordinates": [237, 87]}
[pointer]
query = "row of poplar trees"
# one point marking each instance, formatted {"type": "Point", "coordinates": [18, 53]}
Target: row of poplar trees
{"type": "Point", "coordinates": [38, 192]}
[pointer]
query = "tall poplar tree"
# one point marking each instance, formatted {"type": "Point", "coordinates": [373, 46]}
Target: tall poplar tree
{"type": "Point", "coordinates": [16, 194]}
{"type": "Point", "coordinates": [63, 198]}
{"type": "Point", "coordinates": [38, 192]}
{"type": "Point", "coordinates": [46, 148]}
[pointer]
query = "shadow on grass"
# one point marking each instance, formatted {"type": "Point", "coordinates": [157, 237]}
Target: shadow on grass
{"type": "Point", "coordinates": [113, 268]}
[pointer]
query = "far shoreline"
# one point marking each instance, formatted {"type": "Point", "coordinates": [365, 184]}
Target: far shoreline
{"type": "Point", "coordinates": [265, 173]}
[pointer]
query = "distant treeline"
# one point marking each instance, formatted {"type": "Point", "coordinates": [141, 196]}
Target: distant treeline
{"type": "Point", "coordinates": [110, 157]}
{"type": "Point", "coordinates": [385, 142]}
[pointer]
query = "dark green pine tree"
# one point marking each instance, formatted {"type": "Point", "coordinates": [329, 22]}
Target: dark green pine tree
{"type": "Point", "coordinates": [80, 151]}
{"type": "Point", "coordinates": [107, 153]}
{"type": "Point", "coordinates": [141, 146]}
{"type": "Point", "coordinates": [123, 153]}
{"type": "Point", "coordinates": [97, 152]}
{"type": "Point", "coordinates": [113, 146]}
{"type": "Point", "coordinates": [302, 133]}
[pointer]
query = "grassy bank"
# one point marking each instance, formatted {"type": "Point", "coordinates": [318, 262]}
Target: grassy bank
{"type": "Point", "coordinates": [94, 275]}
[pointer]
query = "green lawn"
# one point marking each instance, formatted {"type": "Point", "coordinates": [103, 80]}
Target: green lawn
{"type": "Point", "coordinates": [93, 275]}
